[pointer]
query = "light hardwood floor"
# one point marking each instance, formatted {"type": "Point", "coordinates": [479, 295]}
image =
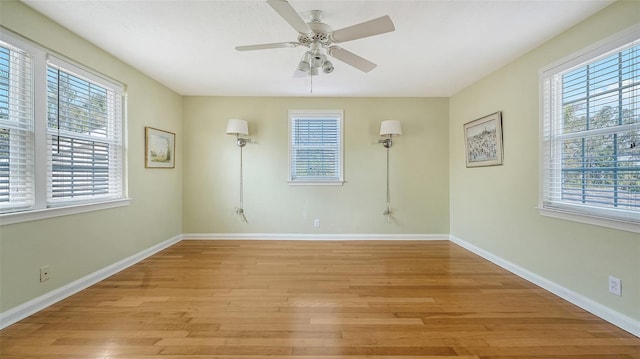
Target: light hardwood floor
{"type": "Point", "coordinates": [302, 299]}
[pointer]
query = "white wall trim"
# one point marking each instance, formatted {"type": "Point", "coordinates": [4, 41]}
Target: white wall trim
{"type": "Point", "coordinates": [315, 237]}
{"type": "Point", "coordinates": [616, 318]}
{"type": "Point", "coordinates": [35, 305]}
{"type": "Point", "coordinates": [623, 225]}
{"type": "Point", "coordinates": [37, 214]}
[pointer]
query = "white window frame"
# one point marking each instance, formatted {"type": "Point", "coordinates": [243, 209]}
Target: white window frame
{"type": "Point", "coordinates": [22, 162]}
{"type": "Point", "coordinates": [41, 209]}
{"type": "Point", "coordinates": [317, 114]}
{"type": "Point", "coordinates": [630, 220]}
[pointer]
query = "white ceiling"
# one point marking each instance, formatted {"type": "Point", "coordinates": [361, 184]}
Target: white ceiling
{"type": "Point", "coordinates": [439, 47]}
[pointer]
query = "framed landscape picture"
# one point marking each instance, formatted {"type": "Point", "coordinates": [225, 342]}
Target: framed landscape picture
{"type": "Point", "coordinates": [483, 141]}
{"type": "Point", "coordinates": [160, 148]}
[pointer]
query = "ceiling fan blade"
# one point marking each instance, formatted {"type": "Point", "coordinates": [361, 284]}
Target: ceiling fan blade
{"type": "Point", "coordinates": [275, 45]}
{"type": "Point", "coordinates": [368, 28]}
{"type": "Point", "coordinates": [289, 14]}
{"type": "Point", "coordinates": [352, 59]}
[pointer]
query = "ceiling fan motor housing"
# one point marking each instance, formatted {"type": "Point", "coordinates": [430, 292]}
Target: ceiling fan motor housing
{"type": "Point", "coordinates": [320, 30]}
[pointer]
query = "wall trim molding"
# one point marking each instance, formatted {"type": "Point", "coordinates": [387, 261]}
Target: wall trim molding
{"type": "Point", "coordinates": [35, 305]}
{"type": "Point", "coordinates": [616, 318]}
{"type": "Point", "coordinates": [315, 237]}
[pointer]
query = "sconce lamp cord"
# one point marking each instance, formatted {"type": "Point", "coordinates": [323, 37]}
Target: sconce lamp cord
{"type": "Point", "coordinates": [240, 210]}
{"type": "Point", "coordinates": [387, 210]}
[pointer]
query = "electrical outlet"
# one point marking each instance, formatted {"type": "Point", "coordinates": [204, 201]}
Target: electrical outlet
{"type": "Point", "coordinates": [316, 223]}
{"type": "Point", "coordinates": [44, 273]}
{"type": "Point", "coordinates": [615, 285]}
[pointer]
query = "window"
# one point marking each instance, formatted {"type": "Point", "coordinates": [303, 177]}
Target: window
{"type": "Point", "coordinates": [315, 147]}
{"type": "Point", "coordinates": [16, 129]}
{"type": "Point", "coordinates": [591, 136]}
{"type": "Point", "coordinates": [61, 135]}
{"type": "Point", "coordinates": [84, 132]}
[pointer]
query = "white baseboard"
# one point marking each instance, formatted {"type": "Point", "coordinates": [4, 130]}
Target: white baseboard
{"type": "Point", "coordinates": [31, 307]}
{"type": "Point", "coordinates": [315, 237]}
{"type": "Point", "coordinates": [35, 305]}
{"type": "Point", "coordinates": [616, 318]}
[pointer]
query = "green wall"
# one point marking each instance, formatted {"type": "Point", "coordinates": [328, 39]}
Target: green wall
{"type": "Point", "coordinates": [494, 208]}
{"type": "Point", "coordinates": [75, 246]}
{"type": "Point", "coordinates": [418, 169]}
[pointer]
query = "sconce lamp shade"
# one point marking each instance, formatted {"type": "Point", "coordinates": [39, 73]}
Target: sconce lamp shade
{"type": "Point", "coordinates": [237, 127]}
{"type": "Point", "coordinates": [390, 127]}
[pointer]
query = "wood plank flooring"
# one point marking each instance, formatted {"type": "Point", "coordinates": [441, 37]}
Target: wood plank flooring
{"type": "Point", "coordinates": [305, 299]}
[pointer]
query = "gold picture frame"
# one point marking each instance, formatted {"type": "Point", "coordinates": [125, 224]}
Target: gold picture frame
{"type": "Point", "coordinates": [483, 141]}
{"type": "Point", "coordinates": [159, 148]}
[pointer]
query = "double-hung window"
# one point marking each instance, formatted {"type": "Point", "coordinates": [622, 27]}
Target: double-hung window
{"type": "Point", "coordinates": [591, 136]}
{"type": "Point", "coordinates": [61, 135]}
{"type": "Point", "coordinates": [16, 129]}
{"type": "Point", "coordinates": [315, 147]}
{"type": "Point", "coordinates": [84, 136]}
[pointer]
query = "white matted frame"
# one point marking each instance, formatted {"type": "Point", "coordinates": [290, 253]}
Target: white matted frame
{"type": "Point", "coordinates": [483, 141]}
{"type": "Point", "coordinates": [159, 148]}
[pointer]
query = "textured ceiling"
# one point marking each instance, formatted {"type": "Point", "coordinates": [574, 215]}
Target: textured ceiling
{"type": "Point", "coordinates": [438, 48]}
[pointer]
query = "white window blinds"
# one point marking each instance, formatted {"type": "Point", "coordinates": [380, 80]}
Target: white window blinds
{"type": "Point", "coordinates": [316, 147]}
{"type": "Point", "coordinates": [84, 134]}
{"type": "Point", "coordinates": [591, 136]}
{"type": "Point", "coordinates": [16, 129]}
{"type": "Point", "coordinates": [62, 135]}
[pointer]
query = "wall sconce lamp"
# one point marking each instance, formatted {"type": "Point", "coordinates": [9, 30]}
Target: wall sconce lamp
{"type": "Point", "coordinates": [389, 128]}
{"type": "Point", "coordinates": [239, 128]}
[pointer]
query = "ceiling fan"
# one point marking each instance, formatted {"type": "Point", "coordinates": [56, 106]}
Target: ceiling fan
{"type": "Point", "coordinates": [320, 37]}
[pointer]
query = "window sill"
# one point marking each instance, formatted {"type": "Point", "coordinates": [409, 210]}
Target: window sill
{"type": "Point", "coordinates": [316, 183]}
{"type": "Point", "coordinates": [34, 215]}
{"type": "Point", "coordinates": [629, 226]}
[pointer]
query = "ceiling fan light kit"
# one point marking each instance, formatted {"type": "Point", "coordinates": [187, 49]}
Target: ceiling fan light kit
{"type": "Point", "coordinates": [327, 67]}
{"type": "Point", "coordinates": [320, 37]}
